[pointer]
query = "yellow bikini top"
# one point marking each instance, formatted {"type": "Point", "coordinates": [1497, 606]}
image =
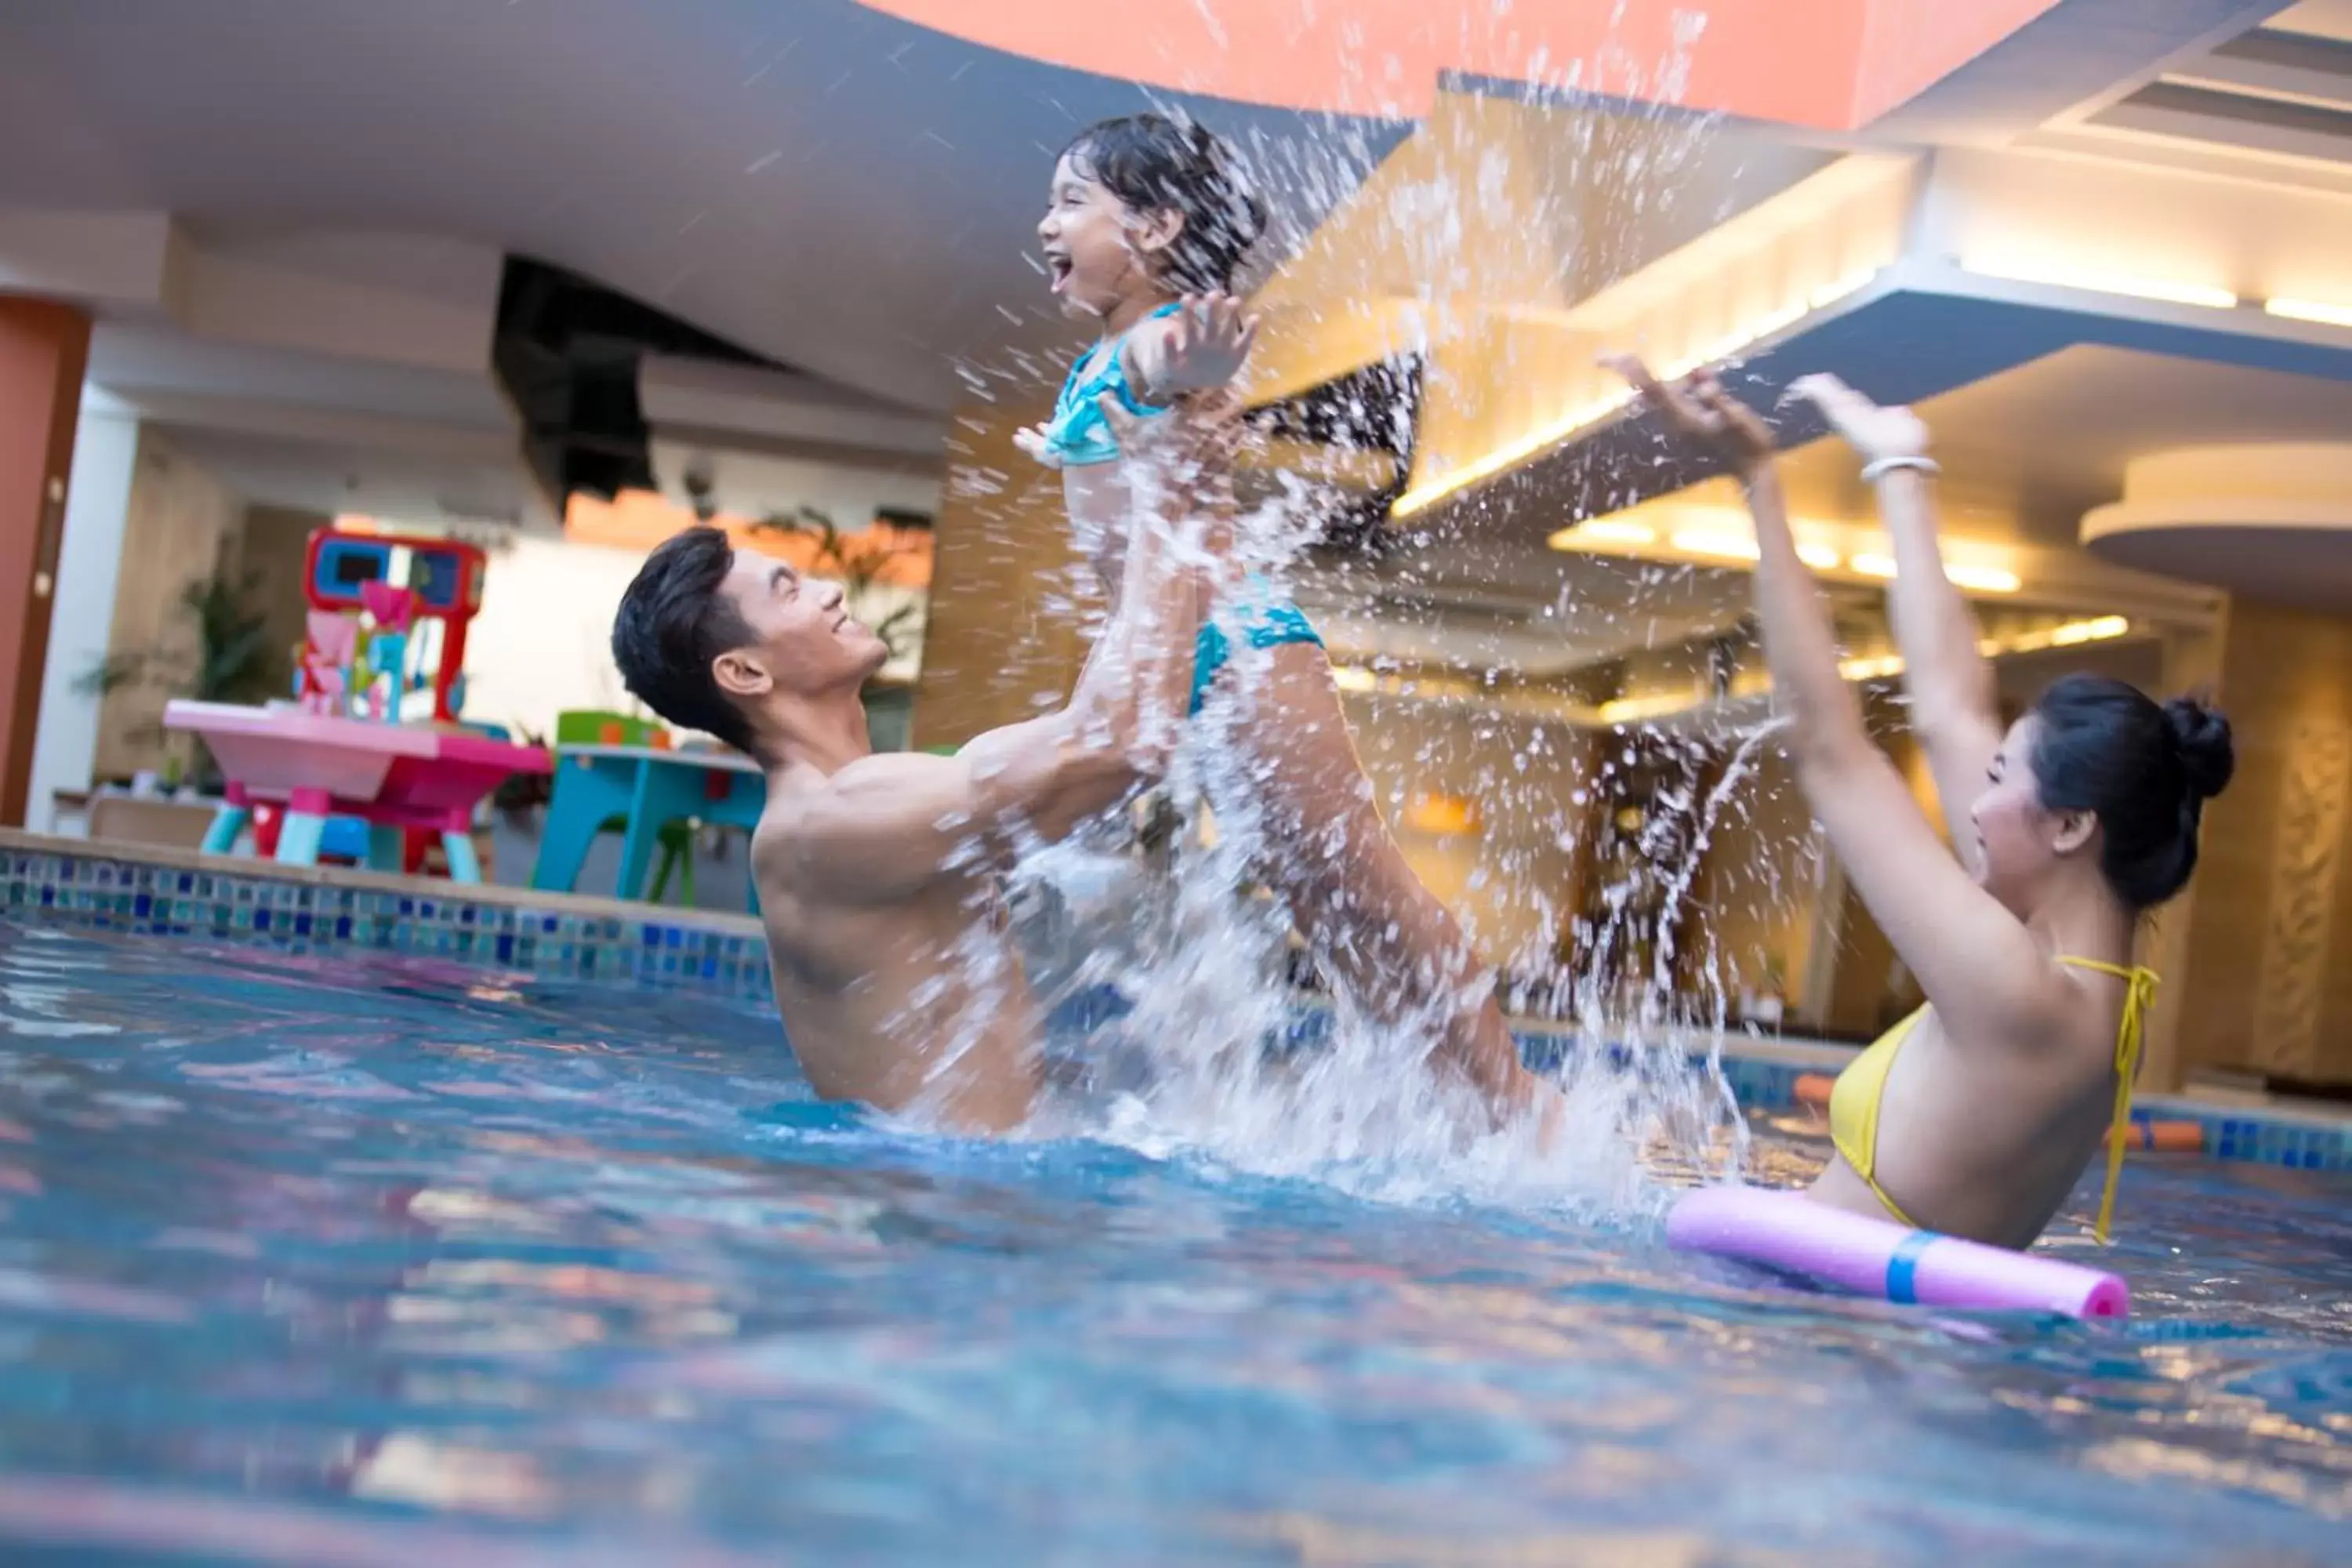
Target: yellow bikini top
{"type": "Point", "coordinates": [1854, 1101]}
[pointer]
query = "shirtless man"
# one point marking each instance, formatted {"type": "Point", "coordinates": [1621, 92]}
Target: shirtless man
{"type": "Point", "coordinates": [896, 977]}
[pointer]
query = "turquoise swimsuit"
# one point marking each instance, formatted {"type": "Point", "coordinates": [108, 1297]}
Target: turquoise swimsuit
{"type": "Point", "coordinates": [1078, 434]}
{"type": "Point", "coordinates": [1080, 437]}
{"type": "Point", "coordinates": [1265, 618]}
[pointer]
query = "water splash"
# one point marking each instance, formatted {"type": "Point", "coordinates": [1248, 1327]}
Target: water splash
{"type": "Point", "coordinates": [1520, 203]}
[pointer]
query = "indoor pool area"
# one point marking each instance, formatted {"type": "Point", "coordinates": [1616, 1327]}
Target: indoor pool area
{"type": "Point", "coordinates": [1186, 784]}
{"type": "Point", "coordinates": [328, 1256]}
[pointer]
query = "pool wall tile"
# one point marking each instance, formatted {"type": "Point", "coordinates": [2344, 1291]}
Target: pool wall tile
{"type": "Point", "coordinates": [104, 888]}
{"type": "Point", "coordinates": [93, 889]}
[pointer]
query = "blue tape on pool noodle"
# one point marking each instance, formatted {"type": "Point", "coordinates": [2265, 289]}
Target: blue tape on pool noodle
{"type": "Point", "coordinates": [1902, 1267]}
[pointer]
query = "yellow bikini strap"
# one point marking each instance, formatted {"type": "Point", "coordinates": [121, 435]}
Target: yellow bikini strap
{"type": "Point", "coordinates": [2129, 1037]}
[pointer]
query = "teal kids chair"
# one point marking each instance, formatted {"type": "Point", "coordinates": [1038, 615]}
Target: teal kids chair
{"type": "Point", "coordinates": [570, 811]}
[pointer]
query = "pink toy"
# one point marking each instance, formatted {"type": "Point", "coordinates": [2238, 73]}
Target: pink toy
{"type": "Point", "coordinates": [334, 637]}
{"type": "Point", "coordinates": [423, 592]}
{"type": "Point", "coordinates": [396, 776]}
{"type": "Point", "coordinates": [389, 607]}
{"type": "Point", "coordinates": [327, 656]}
{"type": "Point", "coordinates": [1873, 1257]}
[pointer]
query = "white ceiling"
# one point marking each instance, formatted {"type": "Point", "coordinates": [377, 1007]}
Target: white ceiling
{"type": "Point", "coordinates": [325, 433]}
{"type": "Point", "coordinates": [826, 186]}
{"type": "Point", "coordinates": [833, 189]}
{"type": "Point", "coordinates": [2316, 18]}
{"type": "Point", "coordinates": [2027, 452]}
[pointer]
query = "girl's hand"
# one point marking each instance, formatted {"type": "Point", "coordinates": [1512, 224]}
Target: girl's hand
{"type": "Point", "coordinates": [1702, 410]}
{"type": "Point", "coordinates": [1878, 434]}
{"type": "Point", "coordinates": [1032, 439]}
{"type": "Point", "coordinates": [1200, 348]}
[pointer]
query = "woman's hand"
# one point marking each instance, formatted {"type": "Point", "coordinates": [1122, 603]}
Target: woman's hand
{"type": "Point", "coordinates": [1703, 411]}
{"type": "Point", "coordinates": [1880, 435]}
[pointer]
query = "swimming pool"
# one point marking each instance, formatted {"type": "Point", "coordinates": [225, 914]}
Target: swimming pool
{"type": "Point", "coordinates": [373, 1260]}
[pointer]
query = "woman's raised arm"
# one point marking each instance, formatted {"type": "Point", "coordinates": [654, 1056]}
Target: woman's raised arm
{"type": "Point", "coordinates": [1955, 705]}
{"type": "Point", "coordinates": [1975, 959]}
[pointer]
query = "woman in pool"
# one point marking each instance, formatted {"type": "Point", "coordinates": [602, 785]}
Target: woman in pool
{"type": "Point", "coordinates": [1976, 1115]}
{"type": "Point", "coordinates": [1147, 224]}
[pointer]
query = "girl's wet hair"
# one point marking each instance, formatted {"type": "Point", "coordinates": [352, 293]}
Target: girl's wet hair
{"type": "Point", "coordinates": [2144, 769]}
{"type": "Point", "coordinates": [1154, 164]}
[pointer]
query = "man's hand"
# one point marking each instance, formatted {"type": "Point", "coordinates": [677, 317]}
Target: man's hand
{"type": "Point", "coordinates": [1199, 437]}
{"type": "Point", "coordinates": [1200, 348]}
{"type": "Point", "coordinates": [1878, 434]}
{"type": "Point", "coordinates": [1703, 411]}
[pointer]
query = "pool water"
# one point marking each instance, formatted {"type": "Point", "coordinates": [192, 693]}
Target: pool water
{"type": "Point", "coordinates": [376, 1262]}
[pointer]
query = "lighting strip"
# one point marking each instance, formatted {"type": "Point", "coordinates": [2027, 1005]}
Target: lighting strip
{"type": "Point", "coordinates": [1623, 710]}
{"type": "Point", "coordinates": [2067, 634]}
{"type": "Point", "coordinates": [1726, 545]}
{"type": "Point", "coordinates": [1510, 454]}
{"type": "Point", "coordinates": [1722, 546]}
{"type": "Point", "coordinates": [1853, 282]}
{"type": "Point", "coordinates": [1421, 497]}
{"type": "Point", "coordinates": [2318, 310]}
{"type": "Point", "coordinates": [1960, 574]}
{"type": "Point", "coordinates": [1605, 531]}
{"type": "Point", "coordinates": [2163, 290]}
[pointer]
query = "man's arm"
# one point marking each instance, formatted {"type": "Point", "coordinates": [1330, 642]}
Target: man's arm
{"type": "Point", "coordinates": [1179, 472]}
{"type": "Point", "coordinates": [885, 826]}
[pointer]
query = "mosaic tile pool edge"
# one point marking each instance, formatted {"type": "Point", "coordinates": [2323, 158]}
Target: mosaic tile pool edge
{"type": "Point", "coordinates": [108, 892]}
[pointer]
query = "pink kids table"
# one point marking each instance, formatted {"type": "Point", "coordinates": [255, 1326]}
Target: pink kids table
{"type": "Point", "coordinates": [394, 776]}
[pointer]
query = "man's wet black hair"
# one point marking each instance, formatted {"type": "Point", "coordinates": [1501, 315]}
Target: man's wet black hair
{"type": "Point", "coordinates": [674, 623]}
{"type": "Point", "coordinates": [1154, 164]}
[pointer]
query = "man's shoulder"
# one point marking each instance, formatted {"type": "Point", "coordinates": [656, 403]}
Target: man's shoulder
{"type": "Point", "coordinates": [797, 802]}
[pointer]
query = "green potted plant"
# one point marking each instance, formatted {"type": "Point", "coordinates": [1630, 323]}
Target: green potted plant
{"type": "Point", "coordinates": [229, 660]}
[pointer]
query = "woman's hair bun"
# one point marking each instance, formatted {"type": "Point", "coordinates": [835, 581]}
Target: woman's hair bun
{"type": "Point", "coordinates": [2208, 755]}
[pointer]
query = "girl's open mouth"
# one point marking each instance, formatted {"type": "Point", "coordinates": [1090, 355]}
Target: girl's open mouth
{"type": "Point", "coordinates": [1058, 267]}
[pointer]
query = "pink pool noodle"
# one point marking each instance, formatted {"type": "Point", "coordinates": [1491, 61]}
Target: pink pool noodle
{"type": "Point", "coordinates": [1873, 1257]}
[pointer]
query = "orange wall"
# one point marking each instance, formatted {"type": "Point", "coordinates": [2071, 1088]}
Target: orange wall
{"type": "Point", "coordinates": [43, 349]}
{"type": "Point", "coordinates": [1824, 63]}
{"type": "Point", "coordinates": [1908, 46]}
{"type": "Point", "coordinates": [640, 519]}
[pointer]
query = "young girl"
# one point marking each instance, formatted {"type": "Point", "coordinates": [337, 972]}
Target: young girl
{"type": "Point", "coordinates": [1976, 1115]}
{"type": "Point", "coordinates": [1148, 222]}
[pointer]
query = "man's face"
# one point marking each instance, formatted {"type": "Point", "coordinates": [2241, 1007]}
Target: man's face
{"type": "Point", "coordinates": [803, 639]}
